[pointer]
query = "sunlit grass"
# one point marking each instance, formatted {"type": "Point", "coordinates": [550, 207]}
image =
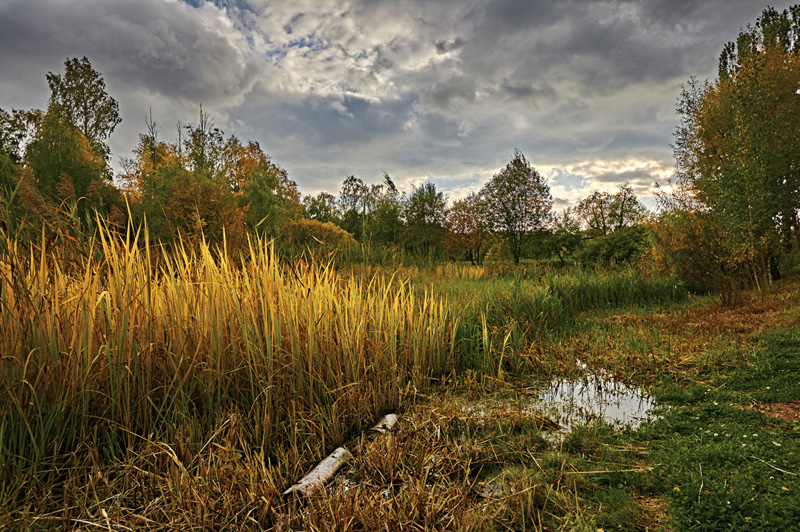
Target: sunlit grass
{"type": "Point", "coordinates": [131, 345]}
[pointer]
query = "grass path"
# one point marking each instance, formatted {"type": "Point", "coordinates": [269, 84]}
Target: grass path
{"type": "Point", "coordinates": [723, 461]}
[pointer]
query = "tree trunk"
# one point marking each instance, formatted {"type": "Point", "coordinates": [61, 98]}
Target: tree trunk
{"type": "Point", "coordinates": [774, 267]}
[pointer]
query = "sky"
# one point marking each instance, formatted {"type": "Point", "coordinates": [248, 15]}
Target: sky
{"type": "Point", "coordinates": [440, 91]}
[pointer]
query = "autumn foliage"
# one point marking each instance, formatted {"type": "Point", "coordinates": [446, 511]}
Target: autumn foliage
{"type": "Point", "coordinates": [734, 212]}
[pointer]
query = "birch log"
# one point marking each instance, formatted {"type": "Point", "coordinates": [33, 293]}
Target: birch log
{"type": "Point", "coordinates": [385, 425]}
{"type": "Point", "coordinates": [320, 475]}
{"type": "Point", "coordinates": [326, 470]}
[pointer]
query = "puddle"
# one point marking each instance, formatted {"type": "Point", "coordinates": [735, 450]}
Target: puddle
{"type": "Point", "coordinates": [564, 404]}
{"type": "Point", "coordinates": [576, 402]}
{"type": "Point", "coordinates": [556, 409]}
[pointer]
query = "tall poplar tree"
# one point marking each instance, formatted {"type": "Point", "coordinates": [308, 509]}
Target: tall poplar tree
{"type": "Point", "coordinates": [745, 144]}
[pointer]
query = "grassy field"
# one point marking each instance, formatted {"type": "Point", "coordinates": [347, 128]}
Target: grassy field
{"type": "Point", "coordinates": [144, 389]}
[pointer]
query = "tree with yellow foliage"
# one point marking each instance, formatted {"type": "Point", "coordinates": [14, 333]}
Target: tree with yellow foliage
{"type": "Point", "coordinates": [740, 157]}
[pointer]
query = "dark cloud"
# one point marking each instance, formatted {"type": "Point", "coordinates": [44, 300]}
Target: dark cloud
{"type": "Point", "coordinates": [501, 18]}
{"type": "Point", "coordinates": [562, 203]}
{"type": "Point", "coordinates": [676, 14]}
{"type": "Point", "coordinates": [354, 120]}
{"type": "Point", "coordinates": [445, 93]}
{"type": "Point", "coordinates": [164, 47]}
{"type": "Point", "coordinates": [526, 91]}
{"type": "Point", "coordinates": [631, 177]}
{"type": "Point", "coordinates": [444, 46]}
{"type": "Point", "coordinates": [633, 139]}
{"type": "Point", "coordinates": [440, 90]}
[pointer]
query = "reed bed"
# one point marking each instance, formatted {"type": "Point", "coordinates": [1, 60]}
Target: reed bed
{"type": "Point", "coordinates": [130, 344]}
{"type": "Point", "coordinates": [506, 322]}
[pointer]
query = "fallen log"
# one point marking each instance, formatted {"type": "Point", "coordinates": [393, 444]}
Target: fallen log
{"type": "Point", "coordinates": [385, 425]}
{"type": "Point", "coordinates": [320, 475]}
{"type": "Point", "coordinates": [326, 470]}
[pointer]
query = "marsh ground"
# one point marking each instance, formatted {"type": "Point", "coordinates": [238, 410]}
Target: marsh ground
{"type": "Point", "coordinates": [220, 385]}
{"type": "Point", "coordinates": [723, 453]}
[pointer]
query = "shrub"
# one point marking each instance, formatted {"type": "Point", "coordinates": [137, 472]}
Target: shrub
{"type": "Point", "coordinates": [622, 246]}
{"type": "Point", "coordinates": [317, 237]}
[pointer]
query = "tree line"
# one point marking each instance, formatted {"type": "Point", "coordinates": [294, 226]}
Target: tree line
{"type": "Point", "coordinates": [206, 185]}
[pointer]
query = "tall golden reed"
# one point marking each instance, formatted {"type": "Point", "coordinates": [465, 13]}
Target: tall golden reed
{"type": "Point", "coordinates": [129, 342]}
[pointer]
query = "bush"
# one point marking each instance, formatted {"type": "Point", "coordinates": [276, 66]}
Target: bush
{"type": "Point", "coordinates": [316, 237]}
{"type": "Point", "coordinates": [622, 246]}
{"type": "Point", "coordinates": [691, 246]}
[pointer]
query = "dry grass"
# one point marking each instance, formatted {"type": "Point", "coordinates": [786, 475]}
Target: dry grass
{"type": "Point", "coordinates": [456, 464]}
{"type": "Point", "coordinates": [126, 367]}
{"type": "Point", "coordinates": [145, 389]}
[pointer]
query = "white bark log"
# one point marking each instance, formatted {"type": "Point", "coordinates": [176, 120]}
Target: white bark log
{"type": "Point", "coordinates": [326, 470]}
{"type": "Point", "coordinates": [385, 425]}
{"type": "Point", "coordinates": [320, 475]}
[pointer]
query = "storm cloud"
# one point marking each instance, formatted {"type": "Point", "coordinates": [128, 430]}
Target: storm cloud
{"type": "Point", "coordinates": [422, 90]}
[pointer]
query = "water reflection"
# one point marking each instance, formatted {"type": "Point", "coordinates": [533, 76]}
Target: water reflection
{"type": "Point", "coordinates": [595, 396]}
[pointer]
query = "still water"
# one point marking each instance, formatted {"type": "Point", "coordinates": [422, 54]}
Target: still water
{"type": "Point", "coordinates": [594, 397]}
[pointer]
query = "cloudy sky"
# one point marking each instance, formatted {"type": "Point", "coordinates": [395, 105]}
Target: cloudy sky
{"type": "Point", "coordinates": [436, 90]}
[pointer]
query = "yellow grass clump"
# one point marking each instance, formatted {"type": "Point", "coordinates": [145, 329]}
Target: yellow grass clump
{"type": "Point", "coordinates": [131, 342]}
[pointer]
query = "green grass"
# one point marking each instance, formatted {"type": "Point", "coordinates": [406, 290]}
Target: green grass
{"type": "Point", "coordinates": [724, 466]}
